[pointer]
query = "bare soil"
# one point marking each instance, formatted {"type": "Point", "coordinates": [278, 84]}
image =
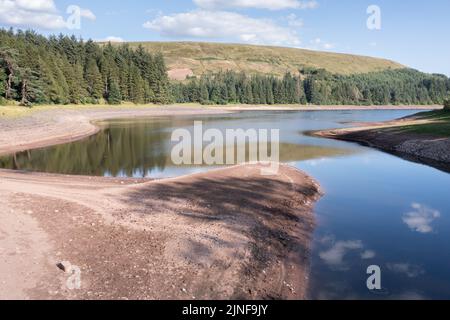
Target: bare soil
{"type": "Point", "coordinates": [226, 234]}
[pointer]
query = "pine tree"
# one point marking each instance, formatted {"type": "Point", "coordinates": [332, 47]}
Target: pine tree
{"type": "Point", "coordinates": [76, 82]}
{"type": "Point", "coordinates": [248, 93]}
{"type": "Point", "coordinates": [8, 61]}
{"type": "Point", "coordinates": [61, 69]}
{"type": "Point", "coordinates": [268, 87]}
{"type": "Point", "coordinates": [161, 85]}
{"type": "Point", "coordinates": [30, 87]}
{"type": "Point", "coordinates": [136, 86]}
{"type": "Point", "coordinates": [204, 93]}
{"type": "Point", "coordinates": [114, 96]}
{"type": "Point", "coordinates": [2, 82]}
{"type": "Point", "coordinates": [93, 80]}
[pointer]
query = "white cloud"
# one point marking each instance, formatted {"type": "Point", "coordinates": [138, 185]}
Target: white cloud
{"type": "Point", "coordinates": [35, 13]}
{"type": "Point", "coordinates": [368, 254]}
{"type": "Point", "coordinates": [223, 25]}
{"type": "Point", "coordinates": [421, 218]}
{"type": "Point", "coordinates": [334, 256]}
{"type": "Point", "coordinates": [294, 21]}
{"type": "Point", "coordinates": [409, 270]}
{"type": "Point", "coordinates": [35, 5]}
{"type": "Point", "coordinates": [112, 39]}
{"type": "Point", "coordinates": [88, 14]}
{"type": "Point", "coordinates": [257, 4]}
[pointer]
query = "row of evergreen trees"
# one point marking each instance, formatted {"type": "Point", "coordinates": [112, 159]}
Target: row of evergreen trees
{"type": "Point", "coordinates": [402, 86]}
{"type": "Point", "coordinates": [62, 70]}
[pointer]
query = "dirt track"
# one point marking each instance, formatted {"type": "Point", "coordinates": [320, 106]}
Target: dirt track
{"type": "Point", "coordinates": [229, 233]}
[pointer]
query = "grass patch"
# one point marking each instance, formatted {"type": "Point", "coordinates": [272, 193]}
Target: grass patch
{"type": "Point", "coordinates": [439, 125]}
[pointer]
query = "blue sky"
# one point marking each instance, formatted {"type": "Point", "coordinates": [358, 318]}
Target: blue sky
{"type": "Point", "coordinates": [415, 33]}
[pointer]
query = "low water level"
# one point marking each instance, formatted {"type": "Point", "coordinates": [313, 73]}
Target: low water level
{"type": "Point", "coordinates": [378, 209]}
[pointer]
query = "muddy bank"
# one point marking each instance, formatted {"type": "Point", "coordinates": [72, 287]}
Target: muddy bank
{"type": "Point", "coordinates": [389, 137]}
{"type": "Point", "coordinates": [225, 234]}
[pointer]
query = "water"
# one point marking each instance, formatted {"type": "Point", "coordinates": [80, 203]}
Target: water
{"type": "Point", "coordinates": [378, 209]}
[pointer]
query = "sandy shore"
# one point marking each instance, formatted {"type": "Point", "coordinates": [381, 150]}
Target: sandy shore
{"type": "Point", "coordinates": [386, 136]}
{"type": "Point", "coordinates": [230, 233]}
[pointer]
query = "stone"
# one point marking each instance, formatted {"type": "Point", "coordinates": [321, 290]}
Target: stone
{"type": "Point", "coordinates": [64, 266]}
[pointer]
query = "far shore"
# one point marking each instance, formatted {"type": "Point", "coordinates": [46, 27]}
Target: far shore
{"type": "Point", "coordinates": [247, 238]}
{"type": "Point", "coordinates": [24, 128]}
{"type": "Point", "coordinates": [399, 138]}
{"type": "Point", "coordinates": [16, 111]}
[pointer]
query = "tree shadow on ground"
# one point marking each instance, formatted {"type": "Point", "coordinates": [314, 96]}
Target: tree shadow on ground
{"type": "Point", "coordinates": [273, 214]}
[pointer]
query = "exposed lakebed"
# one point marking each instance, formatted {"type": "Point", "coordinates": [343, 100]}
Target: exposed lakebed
{"type": "Point", "coordinates": [378, 209]}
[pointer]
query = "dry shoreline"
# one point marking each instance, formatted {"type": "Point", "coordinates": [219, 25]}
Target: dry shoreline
{"type": "Point", "coordinates": [137, 239]}
{"type": "Point", "coordinates": [386, 136]}
{"type": "Point", "coordinates": [65, 124]}
{"type": "Point", "coordinates": [52, 127]}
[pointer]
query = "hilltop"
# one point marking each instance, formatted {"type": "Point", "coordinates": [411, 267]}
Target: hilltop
{"type": "Point", "coordinates": [39, 70]}
{"type": "Point", "coordinates": [195, 58]}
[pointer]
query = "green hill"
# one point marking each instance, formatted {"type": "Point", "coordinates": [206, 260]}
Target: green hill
{"type": "Point", "coordinates": [184, 58]}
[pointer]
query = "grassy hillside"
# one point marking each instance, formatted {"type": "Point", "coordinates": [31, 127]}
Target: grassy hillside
{"type": "Point", "coordinates": [183, 58]}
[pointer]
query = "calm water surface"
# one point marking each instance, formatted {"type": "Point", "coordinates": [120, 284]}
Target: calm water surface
{"type": "Point", "coordinates": [378, 209]}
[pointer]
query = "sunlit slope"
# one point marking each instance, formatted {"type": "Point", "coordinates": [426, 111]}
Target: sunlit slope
{"type": "Point", "coordinates": [199, 58]}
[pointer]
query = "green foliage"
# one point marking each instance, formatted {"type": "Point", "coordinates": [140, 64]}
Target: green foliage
{"type": "Point", "coordinates": [31, 87]}
{"type": "Point", "coordinates": [114, 96]}
{"type": "Point", "coordinates": [447, 104]}
{"type": "Point", "coordinates": [2, 82]}
{"type": "Point", "coordinates": [8, 62]}
{"type": "Point", "coordinates": [94, 80]}
{"type": "Point", "coordinates": [318, 87]}
{"type": "Point", "coordinates": [63, 70]}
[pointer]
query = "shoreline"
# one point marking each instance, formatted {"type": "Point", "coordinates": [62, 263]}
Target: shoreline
{"type": "Point", "coordinates": [58, 125]}
{"type": "Point", "coordinates": [387, 136]}
{"type": "Point", "coordinates": [140, 239]}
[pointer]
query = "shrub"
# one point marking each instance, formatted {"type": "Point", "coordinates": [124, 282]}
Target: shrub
{"type": "Point", "coordinates": [447, 104]}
